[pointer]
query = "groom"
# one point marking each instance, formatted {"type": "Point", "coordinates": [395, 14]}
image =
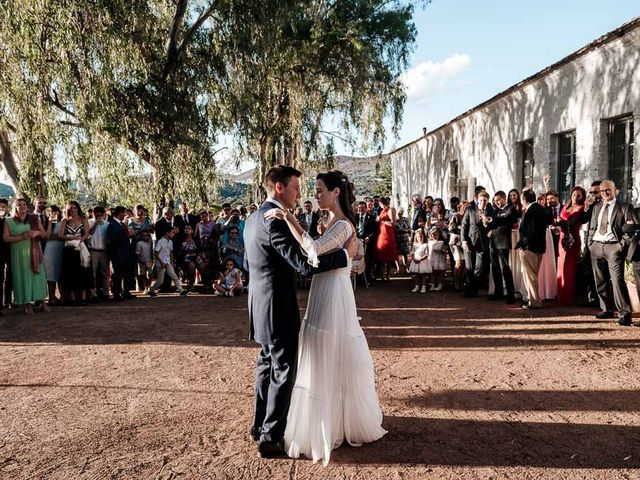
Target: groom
{"type": "Point", "coordinates": [273, 257]}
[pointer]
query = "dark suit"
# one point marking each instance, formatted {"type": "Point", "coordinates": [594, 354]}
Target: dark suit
{"type": "Point", "coordinates": [311, 227]}
{"type": "Point", "coordinates": [500, 247]}
{"type": "Point", "coordinates": [533, 230]}
{"type": "Point", "coordinates": [585, 281]}
{"type": "Point", "coordinates": [44, 220]}
{"type": "Point", "coordinates": [5, 268]}
{"type": "Point", "coordinates": [553, 213]}
{"type": "Point", "coordinates": [162, 225]}
{"type": "Point", "coordinates": [417, 214]}
{"type": "Point", "coordinates": [273, 256]}
{"type": "Point", "coordinates": [473, 231]}
{"type": "Point", "coordinates": [608, 257]}
{"type": "Point", "coordinates": [367, 230]}
{"type": "Point", "coordinates": [119, 251]}
{"type": "Point", "coordinates": [180, 223]}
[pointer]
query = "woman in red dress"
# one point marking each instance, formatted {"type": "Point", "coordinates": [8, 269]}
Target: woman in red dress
{"type": "Point", "coordinates": [569, 246]}
{"type": "Point", "coordinates": [386, 249]}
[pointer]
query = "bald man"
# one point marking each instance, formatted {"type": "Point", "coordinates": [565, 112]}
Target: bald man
{"type": "Point", "coordinates": [608, 246]}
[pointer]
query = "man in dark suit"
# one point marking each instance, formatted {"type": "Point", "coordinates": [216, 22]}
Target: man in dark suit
{"type": "Point", "coordinates": [532, 245]}
{"type": "Point", "coordinates": [502, 220]}
{"type": "Point", "coordinates": [164, 223]}
{"type": "Point", "coordinates": [272, 258]}
{"type": "Point", "coordinates": [309, 220]}
{"type": "Point", "coordinates": [585, 274]}
{"type": "Point", "coordinates": [608, 244]}
{"type": "Point", "coordinates": [40, 209]}
{"type": "Point", "coordinates": [180, 222]}
{"type": "Point", "coordinates": [185, 218]}
{"type": "Point", "coordinates": [475, 241]}
{"type": "Point", "coordinates": [119, 251]}
{"type": "Point", "coordinates": [366, 230]}
{"type": "Point", "coordinates": [418, 212]}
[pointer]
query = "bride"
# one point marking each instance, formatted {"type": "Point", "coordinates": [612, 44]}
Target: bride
{"type": "Point", "coordinates": [334, 397]}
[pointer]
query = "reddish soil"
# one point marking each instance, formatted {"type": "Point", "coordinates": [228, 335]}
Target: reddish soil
{"type": "Point", "coordinates": [162, 388]}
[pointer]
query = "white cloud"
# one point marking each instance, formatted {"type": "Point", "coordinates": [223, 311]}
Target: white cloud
{"type": "Point", "coordinates": [428, 77]}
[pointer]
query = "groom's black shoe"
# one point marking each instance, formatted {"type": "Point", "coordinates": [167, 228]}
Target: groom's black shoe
{"type": "Point", "coordinates": [271, 449]}
{"type": "Point", "coordinates": [254, 433]}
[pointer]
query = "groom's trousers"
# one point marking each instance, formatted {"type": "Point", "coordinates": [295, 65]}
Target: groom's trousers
{"type": "Point", "coordinates": [275, 377]}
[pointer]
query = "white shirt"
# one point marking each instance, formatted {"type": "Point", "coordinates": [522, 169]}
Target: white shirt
{"type": "Point", "coordinates": [609, 236]}
{"type": "Point", "coordinates": [98, 239]}
{"type": "Point", "coordinates": [308, 218]}
{"type": "Point", "coordinates": [164, 247]}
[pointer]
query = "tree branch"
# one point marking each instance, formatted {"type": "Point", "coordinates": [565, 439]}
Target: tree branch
{"type": "Point", "coordinates": [172, 49]}
{"type": "Point", "coordinates": [55, 101]}
{"type": "Point", "coordinates": [174, 52]}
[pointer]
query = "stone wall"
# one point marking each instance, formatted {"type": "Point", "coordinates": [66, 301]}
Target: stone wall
{"type": "Point", "coordinates": [582, 95]}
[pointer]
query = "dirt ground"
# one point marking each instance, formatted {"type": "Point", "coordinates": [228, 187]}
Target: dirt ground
{"type": "Point", "coordinates": [162, 388]}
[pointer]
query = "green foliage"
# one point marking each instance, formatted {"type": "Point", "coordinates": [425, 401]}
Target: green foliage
{"type": "Point", "coordinates": [383, 179]}
{"type": "Point", "coordinates": [106, 93]}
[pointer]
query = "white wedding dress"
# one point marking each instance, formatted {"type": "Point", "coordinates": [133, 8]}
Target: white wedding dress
{"type": "Point", "coordinates": [334, 398]}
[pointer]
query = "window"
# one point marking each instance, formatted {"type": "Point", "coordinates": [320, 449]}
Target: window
{"type": "Point", "coordinates": [526, 163]}
{"type": "Point", "coordinates": [621, 155]}
{"type": "Point", "coordinates": [457, 185]}
{"type": "Point", "coordinates": [566, 164]}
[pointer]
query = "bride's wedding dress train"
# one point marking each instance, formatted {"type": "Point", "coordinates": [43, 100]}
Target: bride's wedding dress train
{"type": "Point", "coordinates": [334, 397]}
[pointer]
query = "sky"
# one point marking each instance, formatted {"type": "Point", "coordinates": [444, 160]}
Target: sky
{"type": "Point", "coordinates": [469, 50]}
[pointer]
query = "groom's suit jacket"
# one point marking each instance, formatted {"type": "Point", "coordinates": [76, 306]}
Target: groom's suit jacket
{"type": "Point", "coordinates": [272, 257]}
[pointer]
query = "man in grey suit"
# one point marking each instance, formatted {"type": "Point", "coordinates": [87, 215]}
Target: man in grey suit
{"type": "Point", "coordinates": [608, 244]}
{"type": "Point", "coordinates": [273, 257]}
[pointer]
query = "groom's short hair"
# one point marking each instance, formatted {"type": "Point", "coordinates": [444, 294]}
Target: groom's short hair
{"type": "Point", "coordinates": [280, 173]}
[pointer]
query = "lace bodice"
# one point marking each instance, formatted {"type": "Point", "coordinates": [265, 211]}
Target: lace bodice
{"type": "Point", "coordinates": [333, 239]}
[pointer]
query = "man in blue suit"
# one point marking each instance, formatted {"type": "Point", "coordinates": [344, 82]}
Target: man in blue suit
{"type": "Point", "coordinates": [273, 257]}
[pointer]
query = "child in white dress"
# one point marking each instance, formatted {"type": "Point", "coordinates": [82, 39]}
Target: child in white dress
{"type": "Point", "coordinates": [436, 257]}
{"type": "Point", "coordinates": [420, 265]}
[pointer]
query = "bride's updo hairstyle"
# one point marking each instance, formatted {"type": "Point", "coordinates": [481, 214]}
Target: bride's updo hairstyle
{"type": "Point", "coordinates": [336, 179]}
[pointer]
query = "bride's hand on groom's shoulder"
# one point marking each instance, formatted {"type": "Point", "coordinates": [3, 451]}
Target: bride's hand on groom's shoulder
{"type": "Point", "coordinates": [275, 213]}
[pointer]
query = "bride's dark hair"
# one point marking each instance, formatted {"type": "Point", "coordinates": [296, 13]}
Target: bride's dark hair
{"type": "Point", "coordinates": [336, 179]}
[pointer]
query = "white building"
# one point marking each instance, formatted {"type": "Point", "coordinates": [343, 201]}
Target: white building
{"type": "Point", "coordinates": [573, 120]}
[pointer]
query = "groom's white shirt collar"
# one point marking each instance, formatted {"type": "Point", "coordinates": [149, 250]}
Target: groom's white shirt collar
{"type": "Point", "coordinates": [278, 204]}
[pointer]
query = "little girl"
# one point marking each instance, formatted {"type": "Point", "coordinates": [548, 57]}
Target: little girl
{"type": "Point", "coordinates": [436, 257]}
{"type": "Point", "coordinates": [231, 282]}
{"type": "Point", "coordinates": [420, 261]}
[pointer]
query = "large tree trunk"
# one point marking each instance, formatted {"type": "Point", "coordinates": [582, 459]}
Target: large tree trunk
{"type": "Point", "coordinates": [9, 163]}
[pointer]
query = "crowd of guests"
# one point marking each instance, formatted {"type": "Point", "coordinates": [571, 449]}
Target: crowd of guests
{"type": "Point", "coordinates": [50, 256]}
{"type": "Point", "coordinates": [591, 235]}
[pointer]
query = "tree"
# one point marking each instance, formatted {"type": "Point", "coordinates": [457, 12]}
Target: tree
{"type": "Point", "coordinates": [297, 65]}
{"type": "Point", "coordinates": [108, 91]}
{"type": "Point", "coordinates": [113, 88]}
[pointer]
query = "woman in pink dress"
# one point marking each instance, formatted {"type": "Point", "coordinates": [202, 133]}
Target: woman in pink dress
{"type": "Point", "coordinates": [570, 246]}
{"type": "Point", "coordinates": [386, 249]}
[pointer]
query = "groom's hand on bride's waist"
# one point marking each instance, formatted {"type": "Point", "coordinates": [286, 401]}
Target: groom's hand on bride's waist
{"type": "Point", "coordinates": [351, 246]}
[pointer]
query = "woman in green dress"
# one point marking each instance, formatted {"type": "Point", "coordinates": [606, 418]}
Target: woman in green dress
{"type": "Point", "coordinates": [23, 232]}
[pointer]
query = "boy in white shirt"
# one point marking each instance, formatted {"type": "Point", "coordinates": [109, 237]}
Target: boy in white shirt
{"type": "Point", "coordinates": [163, 254]}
